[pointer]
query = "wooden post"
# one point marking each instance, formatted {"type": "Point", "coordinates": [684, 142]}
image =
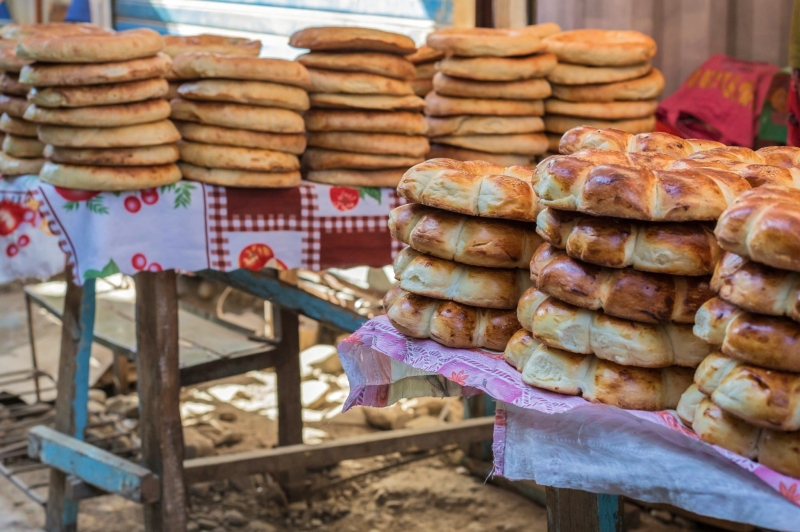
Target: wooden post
{"type": "Point", "coordinates": [159, 397]}
{"type": "Point", "coordinates": [580, 511]}
{"type": "Point", "coordinates": [290, 406]}
{"type": "Point", "coordinates": [77, 329]}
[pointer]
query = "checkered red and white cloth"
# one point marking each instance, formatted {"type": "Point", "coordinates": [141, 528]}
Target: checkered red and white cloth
{"type": "Point", "coordinates": [191, 226]}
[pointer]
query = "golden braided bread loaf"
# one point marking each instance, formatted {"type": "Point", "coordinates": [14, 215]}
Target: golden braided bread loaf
{"type": "Point", "coordinates": [775, 449]}
{"type": "Point", "coordinates": [757, 288]}
{"type": "Point", "coordinates": [758, 168]}
{"type": "Point", "coordinates": [671, 248]}
{"type": "Point", "coordinates": [449, 323]}
{"type": "Point", "coordinates": [598, 381]}
{"type": "Point", "coordinates": [583, 137]}
{"type": "Point", "coordinates": [766, 341]}
{"type": "Point", "coordinates": [764, 225]}
{"type": "Point", "coordinates": [476, 188]}
{"type": "Point", "coordinates": [471, 285]}
{"type": "Point", "coordinates": [624, 293]}
{"type": "Point", "coordinates": [591, 157]}
{"type": "Point", "coordinates": [625, 342]}
{"type": "Point", "coordinates": [465, 239]}
{"type": "Point", "coordinates": [763, 397]}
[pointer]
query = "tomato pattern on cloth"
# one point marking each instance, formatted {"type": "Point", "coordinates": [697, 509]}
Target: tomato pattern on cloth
{"type": "Point", "coordinates": [558, 439]}
{"type": "Point", "coordinates": [191, 226]}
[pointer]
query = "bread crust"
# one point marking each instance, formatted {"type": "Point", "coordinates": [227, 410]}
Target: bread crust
{"type": "Point", "coordinates": [624, 293]}
{"type": "Point", "coordinates": [352, 39]}
{"type": "Point", "coordinates": [374, 102]}
{"type": "Point", "coordinates": [424, 54]}
{"type": "Point", "coordinates": [491, 42]}
{"type": "Point", "coordinates": [597, 380]}
{"type": "Point", "coordinates": [324, 159]}
{"type": "Point", "coordinates": [647, 87]}
{"type": "Point", "coordinates": [571, 74]}
{"type": "Point", "coordinates": [388, 177]}
{"type": "Point", "coordinates": [14, 166]}
{"type": "Point", "coordinates": [464, 239]}
{"type": "Point", "coordinates": [93, 47]}
{"type": "Point", "coordinates": [378, 143]}
{"type": "Point", "coordinates": [127, 114]}
{"type": "Point", "coordinates": [141, 156]}
{"type": "Point", "coordinates": [93, 95]}
{"type": "Point", "coordinates": [151, 134]}
{"type": "Point", "coordinates": [602, 110]}
{"type": "Point", "coordinates": [458, 125]}
{"type": "Point", "coordinates": [421, 87]}
{"type": "Point", "coordinates": [219, 44]}
{"type": "Point", "coordinates": [238, 116]}
{"type": "Point", "coordinates": [236, 158]}
{"type": "Point", "coordinates": [261, 93]}
{"type": "Point", "coordinates": [498, 68]}
{"type": "Point", "coordinates": [470, 285]}
{"type": "Point", "coordinates": [243, 138]}
{"type": "Point", "coordinates": [438, 105]}
{"type": "Point", "coordinates": [332, 81]}
{"type": "Point", "coordinates": [9, 84]}
{"type": "Point", "coordinates": [380, 64]}
{"type": "Point", "coordinates": [205, 65]}
{"type": "Point", "coordinates": [17, 126]}
{"type": "Point", "coordinates": [13, 105]}
{"type": "Point", "coordinates": [449, 323]}
{"type": "Point", "coordinates": [669, 248]}
{"type": "Point", "coordinates": [109, 178]}
{"type": "Point", "coordinates": [529, 144]}
{"type": "Point", "coordinates": [229, 177]}
{"type": "Point", "coordinates": [601, 47]}
{"type": "Point", "coordinates": [529, 89]}
{"type": "Point", "coordinates": [401, 122]}
{"type": "Point", "coordinates": [55, 75]}
{"type": "Point", "coordinates": [443, 151]}
{"type": "Point", "coordinates": [16, 32]}
{"type": "Point", "coordinates": [583, 137]}
{"type": "Point", "coordinates": [22, 147]}
{"type": "Point", "coordinates": [474, 188]}
{"type": "Point", "coordinates": [562, 124]}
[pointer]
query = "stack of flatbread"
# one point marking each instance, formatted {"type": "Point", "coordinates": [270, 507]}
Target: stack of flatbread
{"type": "Point", "coordinates": [603, 79]}
{"type": "Point", "coordinates": [424, 60]}
{"type": "Point", "coordinates": [240, 119]}
{"type": "Point", "coordinates": [98, 100]}
{"type": "Point", "coordinates": [174, 45]}
{"type": "Point", "coordinates": [22, 152]}
{"type": "Point", "coordinates": [365, 126]}
{"type": "Point", "coordinates": [488, 94]}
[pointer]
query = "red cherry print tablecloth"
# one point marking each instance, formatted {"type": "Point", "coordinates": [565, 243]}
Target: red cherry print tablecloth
{"type": "Point", "coordinates": [191, 226]}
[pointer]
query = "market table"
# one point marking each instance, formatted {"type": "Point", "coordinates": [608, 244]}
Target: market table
{"type": "Point", "coordinates": [568, 443]}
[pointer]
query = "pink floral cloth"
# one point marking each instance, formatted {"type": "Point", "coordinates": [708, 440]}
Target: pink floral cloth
{"type": "Point", "coordinates": [378, 358]}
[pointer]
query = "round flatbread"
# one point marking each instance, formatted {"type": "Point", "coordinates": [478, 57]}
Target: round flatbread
{"type": "Point", "coordinates": [482, 125]}
{"type": "Point", "coordinates": [358, 178]}
{"type": "Point", "coordinates": [152, 134]}
{"type": "Point", "coordinates": [498, 68]}
{"type": "Point", "coordinates": [601, 47]}
{"type": "Point", "coordinates": [13, 105]}
{"type": "Point", "coordinates": [525, 144]}
{"type": "Point", "coordinates": [109, 178]}
{"type": "Point", "coordinates": [553, 142]}
{"type": "Point", "coordinates": [172, 90]}
{"type": "Point", "coordinates": [17, 126]}
{"type": "Point", "coordinates": [16, 32]}
{"type": "Point", "coordinates": [647, 87]}
{"type": "Point", "coordinates": [425, 71]}
{"type": "Point", "coordinates": [356, 83]}
{"type": "Point", "coordinates": [9, 62]}
{"type": "Point", "coordinates": [493, 42]}
{"type": "Point", "coordinates": [425, 54]}
{"type": "Point", "coordinates": [437, 105]}
{"type": "Point", "coordinates": [227, 177]}
{"type": "Point", "coordinates": [12, 166]}
{"type": "Point", "coordinates": [565, 74]}
{"type": "Point", "coordinates": [141, 156]}
{"type": "Point", "coordinates": [93, 95]}
{"type": "Point", "coordinates": [601, 110]}
{"type": "Point", "coordinates": [351, 39]}
{"type": "Point", "coordinates": [22, 147]}
{"type": "Point", "coordinates": [562, 124]}
{"type": "Point", "coordinates": [211, 156]}
{"type": "Point", "coordinates": [205, 65]}
{"type": "Point", "coordinates": [388, 65]}
{"type": "Point", "coordinates": [405, 123]}
{"type": "Point", "coordinates": [238, 116]}
{"type": "Point", "coordinates": [219, 44]}
{"type": "Point", "coordinates": [529, 89]}
{"type": "Point", "coordinates": [223, 136]}
{"type": "Point", "coordinates": [380, 143]}
{"type": "Point", "coordinates": [9, 84]}
{"type": "Point", "coordinates": [322, 159]}
{"type": "Point", "coordinates": [442, 151]}
{"type": "Point", "coordinates": [102, 115]}
{"type": "Point", "coordinates": [262, 93]}
{"type": "Point", "coordinates": [378, 102]}
{"type": "Point", "coordinates": [421, 87]}
{"type": "Point", "coordinates": [92, 48]}
{"type": "Point", "coordinates": [46, 75]}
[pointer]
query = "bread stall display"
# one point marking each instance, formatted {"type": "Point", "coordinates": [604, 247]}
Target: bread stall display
{"type": "Point", "coordinates": [99, 102]}
{"type": "Point", "coordinates": [424, 61]}
{"type": "Point", "coordinates": [22, 152]}
{"type": "Point", "coordinates": [488, 94]}
{"type": "Point", "coordinates": [603, 79]}
{"type": "Point", "coordinates": [471, 233]}
{"type": "Point", "coordinates": [746, 396]}
{"type": "Point", "coordinates": [240, 119]}
{"type": "Point", "coordinates": [365, 126]}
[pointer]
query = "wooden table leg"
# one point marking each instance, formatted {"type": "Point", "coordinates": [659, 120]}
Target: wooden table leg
{"type": "Point", "coordinates": [73, 393]}
{"type": "Point", "coordinates": [159, 397]}
{"type": "Point", "coordinates": [580, 511]}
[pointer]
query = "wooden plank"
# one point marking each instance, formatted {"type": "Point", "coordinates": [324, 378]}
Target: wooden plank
{"type": "Point", "coordinates": [99, 468]}
{"type": "Point", "coordinates": [579, 511]}
{"type": "Point", "coordinates": [464, 13]}
{"type": "Point", "coordinates": [333, 452]}
{"type": "Point", "coordinates": [72, 393]}
{"type": "Point", "coordinates": [159, 397]}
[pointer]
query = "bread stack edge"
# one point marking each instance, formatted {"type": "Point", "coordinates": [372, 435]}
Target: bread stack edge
{"type": "Point", "coordinates": [424, 61]}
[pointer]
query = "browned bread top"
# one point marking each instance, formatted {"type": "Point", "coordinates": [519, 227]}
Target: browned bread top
{"type": "Point", "coordinates": [583, 137]}
{"type": "Point", "coordinates": [352, 39]}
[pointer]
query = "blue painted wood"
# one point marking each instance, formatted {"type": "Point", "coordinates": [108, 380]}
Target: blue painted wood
{"type": "Point", "coordinates": [289, 297]}
{"type": "Point", "coordinates": [608, 514]}
{"type": "Point", "coordinates": [94, 466]}
{"type": "Point", "coordinates": [84, 359]}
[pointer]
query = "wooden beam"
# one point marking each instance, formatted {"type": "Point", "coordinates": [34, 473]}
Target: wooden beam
{"type": "Point", "coordinates": [159, 397]}
{"type": "Point", "coordinates": [580, 511]}
{"type": "Point", "coordinates": [333, 452]}
{"type": "Point", "coordinates": [99, 468]}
